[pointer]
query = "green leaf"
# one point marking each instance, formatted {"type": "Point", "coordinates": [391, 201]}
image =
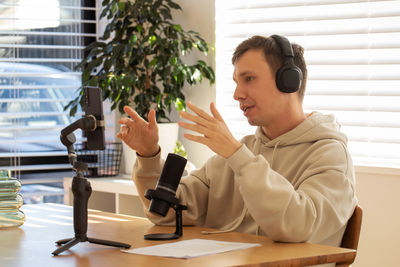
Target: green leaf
{"type": "Point", "coordinates": [177, 27]}
{"type": "Point", "coordinates": [106, 35]}
{"type": "Point", "coordinates": [104, 12]}
{"type": "Point", "coordinates": [202, 63]}
{"type": "Point", "coordinates": [114, 7]}
{"type": "Point", "coordinates": [73, 110]}
{"type": "Point", "coordinates": [208, 72]}
{"type": "Point", "coordinates": [86, 75]}
{"type": "Point", "coordinates": [202, 46]}
{"type": "Point", "coordinates": [179, 104]}
{"type": "Point", "coordinates": [153, 62]}
{"type": "Point", "coordinates": [180, 149]}
{"type": "Point", "coordinates": [121, 6]}
{"type": "Point", "coordinates": [174, 5]}
{"type": "Point", "coordinates": [95, 45]}
{"type": "Point", "coordinates": [158, 101]}
{"type": "Point", "coordinates": [133, 39]}
{"type": "Point", "coordinates": [107, 65]}
{"type": "Point", "coordinates": [95, 52]}
{"type": "Point", "coordinates": [166, 12]}
{"type": "Point", "coordinates": [152, 39]}
{"type": "Point", "coordinates": [196, 75]}
{"type": "Point", "coordinates": [173, 60]}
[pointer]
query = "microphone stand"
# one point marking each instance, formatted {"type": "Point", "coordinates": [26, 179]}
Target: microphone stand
{"type": "Point", "coordinates": [172, 202]}
{"type": "Point", "coordinates": [81, 189]}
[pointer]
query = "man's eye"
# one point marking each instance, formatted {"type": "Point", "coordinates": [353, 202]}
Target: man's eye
{"type": "Point", "coordinates": [249, 78]}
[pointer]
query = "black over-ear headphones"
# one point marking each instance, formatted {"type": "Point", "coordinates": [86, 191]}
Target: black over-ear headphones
{"type": "Point", "coordinates": [288, 77]}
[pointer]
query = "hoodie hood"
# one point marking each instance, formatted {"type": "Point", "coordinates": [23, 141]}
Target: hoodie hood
{"type": "Point", "coordinates": [316, 127]}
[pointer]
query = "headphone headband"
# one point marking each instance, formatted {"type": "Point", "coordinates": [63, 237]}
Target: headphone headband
{"type": "Point", "coordinates": [284, 44]}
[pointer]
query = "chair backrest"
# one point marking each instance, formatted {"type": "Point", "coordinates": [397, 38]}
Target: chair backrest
{"type": "Point", "coordinates": [353, 228]}
{"type": "Point", "coordinates": [352, 233]}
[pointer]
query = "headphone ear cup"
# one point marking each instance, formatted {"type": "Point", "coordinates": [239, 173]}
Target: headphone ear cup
{"type": "Point", "coordinates": [288, 79]}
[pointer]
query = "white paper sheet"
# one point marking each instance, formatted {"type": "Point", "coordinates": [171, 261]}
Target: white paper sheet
{"type": "Point", "coordinates": [191, 248]}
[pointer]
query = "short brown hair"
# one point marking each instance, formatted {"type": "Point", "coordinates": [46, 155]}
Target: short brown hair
{"type": "Point", "coordinates": [273, 56]}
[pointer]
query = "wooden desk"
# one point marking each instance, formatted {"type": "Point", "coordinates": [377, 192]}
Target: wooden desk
{"type": "Point", "coordinates": [32, 244]}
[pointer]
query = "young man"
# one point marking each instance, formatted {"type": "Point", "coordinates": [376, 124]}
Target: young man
{"type": "Point", "coordinates": [293, 180]}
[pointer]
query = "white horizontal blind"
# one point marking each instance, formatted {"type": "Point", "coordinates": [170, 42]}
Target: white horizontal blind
{"type": "Point", "coordinates": [41, 41]}
{"type": "Point", "coordinates": [352, 49]}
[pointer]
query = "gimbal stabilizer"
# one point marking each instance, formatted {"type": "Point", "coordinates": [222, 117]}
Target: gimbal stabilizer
{"type": "Point", "coordinates": [81, 188]}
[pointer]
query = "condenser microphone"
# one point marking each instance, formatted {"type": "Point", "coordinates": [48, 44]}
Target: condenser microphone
{"type": "Point", "coordinates": [93, 107]}
{"type": "Point", "coordinates": [164, 194]}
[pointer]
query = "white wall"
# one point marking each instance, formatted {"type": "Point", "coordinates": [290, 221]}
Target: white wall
{"type": "Point", "coordinates": [377, 191]}
{"type": "Point", "coordinates": [199, 16]}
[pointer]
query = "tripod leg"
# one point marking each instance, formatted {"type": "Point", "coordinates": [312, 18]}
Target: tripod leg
{"type": "Point", "coordinates": [71, 243]}
{"type": "Point", "coordinates": [63, 241]}
{"type": "Point", "coordinates": [108, 243]}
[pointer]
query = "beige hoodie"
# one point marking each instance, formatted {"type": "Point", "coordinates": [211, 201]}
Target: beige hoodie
{"type": "Point", "coordinates": [297, 187]}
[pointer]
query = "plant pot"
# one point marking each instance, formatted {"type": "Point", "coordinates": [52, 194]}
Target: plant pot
{"type": "Point", "coordinates": [168, 135]}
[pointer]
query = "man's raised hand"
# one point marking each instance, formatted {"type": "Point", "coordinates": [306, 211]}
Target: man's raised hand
{"type": "Point", "coordinates": [213, 130]}
{"type": "Point", "coordinates": [138, 134]}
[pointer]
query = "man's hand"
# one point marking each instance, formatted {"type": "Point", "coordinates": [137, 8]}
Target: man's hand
{"type": "Point", "coordinates": [138, 134]}
{"type": "Point", "coordinates": [215, 132]}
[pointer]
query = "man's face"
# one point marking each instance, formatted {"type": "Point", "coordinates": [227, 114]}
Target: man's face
{"type": "Point", "coordinates": [256, 91]}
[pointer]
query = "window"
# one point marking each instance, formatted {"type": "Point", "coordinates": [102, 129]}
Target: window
{"type": "Point", "coordinates": [352, 49]}
{"type": "Point", "coordinates": [41, 41]}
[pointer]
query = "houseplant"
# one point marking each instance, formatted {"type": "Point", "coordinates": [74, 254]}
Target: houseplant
{"type": "Point", "coordinates": [138, 60]}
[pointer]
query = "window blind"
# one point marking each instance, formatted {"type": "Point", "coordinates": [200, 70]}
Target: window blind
{"type": "Point", "coordinates": [352, 50]}
{"type": "Point", "coordinates": [41, 42]}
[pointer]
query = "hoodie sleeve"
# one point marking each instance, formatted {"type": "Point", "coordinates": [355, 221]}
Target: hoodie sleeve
{"type": "Point", "coordinates": [316, 207]}
{"type": "Point", "coordinates": [145, 173]}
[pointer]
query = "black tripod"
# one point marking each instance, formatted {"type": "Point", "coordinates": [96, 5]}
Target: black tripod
{"type": "Point", "coordinates": [81, 190]}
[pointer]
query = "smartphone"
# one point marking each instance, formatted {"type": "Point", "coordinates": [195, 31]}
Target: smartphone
{"type": "Point", "coordinates": [93, 106]}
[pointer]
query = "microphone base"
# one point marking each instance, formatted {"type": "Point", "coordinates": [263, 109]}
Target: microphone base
{"type": "Point", "coordinates": [170, 236]}
{"type": "Point", "coordinates": [178, 228]}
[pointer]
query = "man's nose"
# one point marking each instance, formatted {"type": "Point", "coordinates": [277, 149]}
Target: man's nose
{"type": "Point", "coordinates": [239, 93]}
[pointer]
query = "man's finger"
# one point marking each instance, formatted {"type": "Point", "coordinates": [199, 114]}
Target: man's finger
{"type": "Point", "coordinates": [196, 138]}
{"type": "Point", "coordinates": [124, 120]}
{"type": "Point", "coordinates": [124, 129]}
{"type": "Point", "coordinates": [195, 128]}
{"type": "Point", "coordinates": [215, 112]}
{"type": "Point", "coordinates": [193, 118]}
{"type": "Point", "coordinates": [133, 114]}
{"type": "Point", "coordinates": [199, 111]}
{"type": "Point", "coordinates": [151, 117]}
